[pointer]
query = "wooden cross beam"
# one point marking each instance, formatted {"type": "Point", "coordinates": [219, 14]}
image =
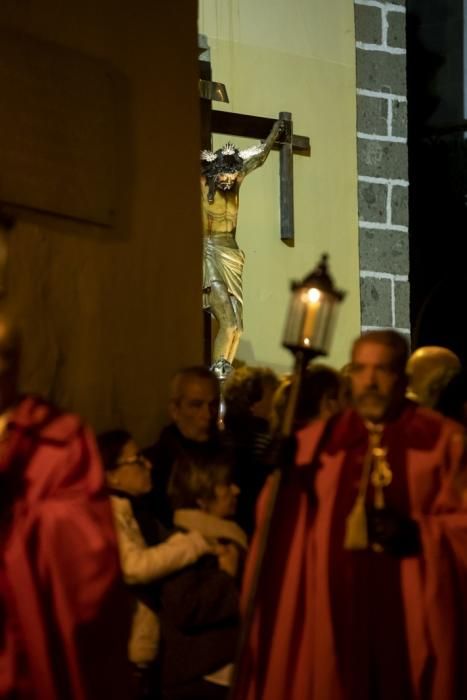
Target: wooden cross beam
{"type": "Point", "coordinates": [250, 126]}
{"type": "Point", "coordinates": [247, 125]}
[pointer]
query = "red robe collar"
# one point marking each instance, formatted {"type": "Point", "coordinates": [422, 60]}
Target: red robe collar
{"type": "Point", "coordinates": [417, 428]}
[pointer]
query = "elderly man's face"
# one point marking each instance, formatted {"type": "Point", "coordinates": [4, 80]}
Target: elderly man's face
{"type": "Point", "coordinates": [377, 385]}
{"type": "Point", "coordinates": [195, 412]}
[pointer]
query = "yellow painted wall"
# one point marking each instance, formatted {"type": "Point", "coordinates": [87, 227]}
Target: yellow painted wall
{"type": "Point", "coordinates": [296, 56]}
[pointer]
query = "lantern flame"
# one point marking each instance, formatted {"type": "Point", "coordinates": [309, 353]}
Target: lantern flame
{"type": "Point", "coordinates": [313, 295]}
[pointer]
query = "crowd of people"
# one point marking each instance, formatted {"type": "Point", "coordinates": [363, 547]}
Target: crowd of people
{"type": "Point", "coordinates": [129, 572]}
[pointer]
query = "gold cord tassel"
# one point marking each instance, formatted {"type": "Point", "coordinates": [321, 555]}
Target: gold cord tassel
{"type": "Point", "coordinates": [356, 527]}
{"type": "Point", "coordinates": [356, 530]}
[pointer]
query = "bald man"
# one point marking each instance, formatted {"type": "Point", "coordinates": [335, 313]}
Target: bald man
{"type": "Point", "coordinates": [193, 408]}
{"type": "Point", "coordinates": [429, 370]}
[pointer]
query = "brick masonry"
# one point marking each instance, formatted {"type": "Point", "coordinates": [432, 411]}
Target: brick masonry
{"type": "Point", "coordinates": [382, 164]}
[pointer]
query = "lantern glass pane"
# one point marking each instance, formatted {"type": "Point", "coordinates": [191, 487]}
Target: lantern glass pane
{"type": "Point", "coordinates": [311, 320]}
{"type": "Point", "coordinates": [294, 322]}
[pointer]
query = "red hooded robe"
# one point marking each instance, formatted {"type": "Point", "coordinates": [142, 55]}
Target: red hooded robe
{"type": "Point", "coordinates": [293, 650]}
{"type": "Point", "coordinates": [63, 610]}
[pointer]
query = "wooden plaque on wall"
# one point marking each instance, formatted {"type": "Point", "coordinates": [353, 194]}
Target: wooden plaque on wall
{"type": "Point", "coordinates": [58, 133]}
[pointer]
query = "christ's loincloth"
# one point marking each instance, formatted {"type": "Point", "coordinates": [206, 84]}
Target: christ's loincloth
{"type": "Point", "coordinates": [223, 263]}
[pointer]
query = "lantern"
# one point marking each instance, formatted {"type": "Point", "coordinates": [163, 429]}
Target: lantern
{"type": "Point", "coordinates": [312, 313]}
{"type": "Point", "coordinates": [309, 328]}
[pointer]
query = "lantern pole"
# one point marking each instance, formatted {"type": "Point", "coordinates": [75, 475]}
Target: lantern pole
{"type": "Point", "coordinates": [282, 454]}
{"type": "Point", "coordinates": [302, 360]}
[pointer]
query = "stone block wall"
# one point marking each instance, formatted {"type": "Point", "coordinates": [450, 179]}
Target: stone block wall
{"type": "Point", "coordinates": [382, 164]}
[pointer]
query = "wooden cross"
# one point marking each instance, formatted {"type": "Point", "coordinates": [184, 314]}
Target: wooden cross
{"type": "Point", "coordinates": [247, 125]}
{"type": "Point", "coordinates": [235, 124]}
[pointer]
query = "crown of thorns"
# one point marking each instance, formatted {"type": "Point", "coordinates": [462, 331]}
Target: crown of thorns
{"type": "Point", "coordinates": [229, 149]}
{"type": "Point", "coordinates": [226, 159]}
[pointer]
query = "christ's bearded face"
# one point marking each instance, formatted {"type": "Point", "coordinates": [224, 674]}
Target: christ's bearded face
{"type": "Point", "coordinates": [226, 181]}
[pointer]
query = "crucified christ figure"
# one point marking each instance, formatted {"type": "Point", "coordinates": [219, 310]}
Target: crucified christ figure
{"type": "Point", "coordinates": [222, 173]}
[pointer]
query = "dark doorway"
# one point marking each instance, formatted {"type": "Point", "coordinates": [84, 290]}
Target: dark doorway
{"type": "Point", "coordinates": [437, 172]}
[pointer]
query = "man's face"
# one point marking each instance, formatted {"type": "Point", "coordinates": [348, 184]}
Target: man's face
{"type": "Point", "coordinates": [225, 181]}
{"type": "Point", "coordinates": [195, 412]}
{"type": "Point", "coordinates": [377, 386]}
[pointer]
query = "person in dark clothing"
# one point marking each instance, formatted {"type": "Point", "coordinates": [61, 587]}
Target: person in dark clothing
{"type": "Point", "coordinates": [193, 408]}
{"type": "Point", "coordinates": [248, 398]}
{"type": "Point", "coordinates": [128, 478]}
{"type": "Point", "coordinates": [199, 607]}
{"type": "Point", "coordinates": [321, 396]}
{"type": "Point", "coordinates": [452, 400]}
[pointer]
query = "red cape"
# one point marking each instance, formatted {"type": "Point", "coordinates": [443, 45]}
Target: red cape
{"type": "Point", "coordinates": [64, 622]}
{"type": "Point", "coordinates": [291, 651]}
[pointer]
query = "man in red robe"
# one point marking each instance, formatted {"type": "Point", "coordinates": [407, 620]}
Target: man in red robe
{"type": "Point", "coordinates": [363, 592]}
{"type": "Point", "coordinates": [63, 614]}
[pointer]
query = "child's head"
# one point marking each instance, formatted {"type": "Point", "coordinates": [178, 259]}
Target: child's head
{"type": "Point", "coordinates": [205, 483]}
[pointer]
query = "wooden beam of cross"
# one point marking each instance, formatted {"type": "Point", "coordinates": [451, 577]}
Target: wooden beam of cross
{"type": "Point", "coordinates": [250, 126]}
{"type": "Point", "coordinates": [247, 125]}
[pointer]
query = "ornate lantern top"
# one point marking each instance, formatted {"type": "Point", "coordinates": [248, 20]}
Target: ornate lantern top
{"type": "Point", "coordinates": [319, 278]}
{"type": "Point", "coordinates": [312, 312]}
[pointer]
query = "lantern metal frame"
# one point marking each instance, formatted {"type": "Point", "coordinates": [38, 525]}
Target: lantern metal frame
{"type": "Point", "coordinates": [312, 313]}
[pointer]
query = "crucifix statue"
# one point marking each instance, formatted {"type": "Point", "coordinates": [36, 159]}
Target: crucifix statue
{"type": "Point", "coordinates": [222, 173]}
